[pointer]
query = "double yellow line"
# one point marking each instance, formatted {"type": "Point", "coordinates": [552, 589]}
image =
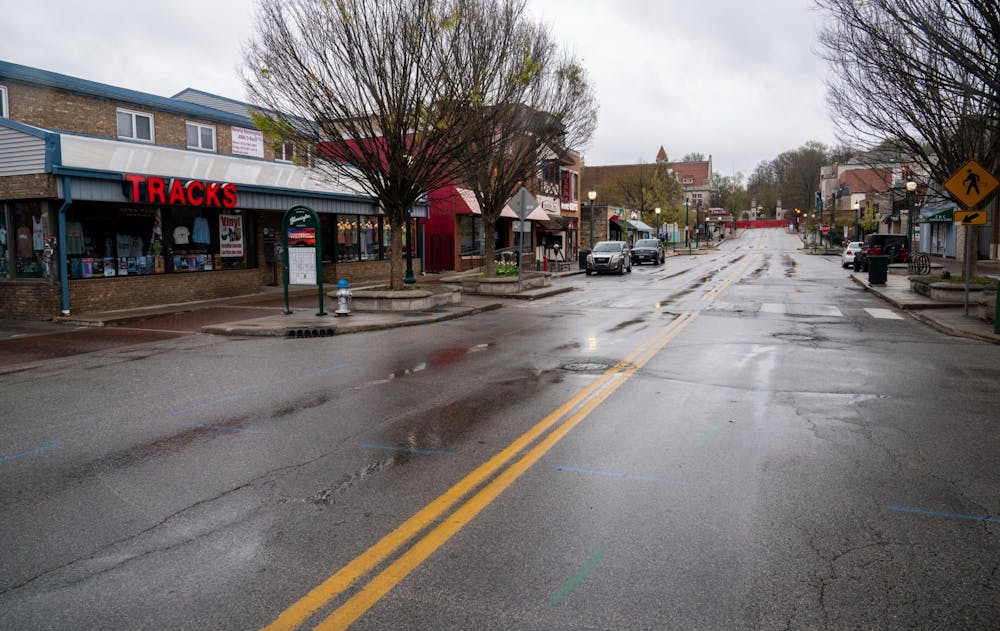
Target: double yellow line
{"type": "Point", "coordinates": [563, 419]}
{"type": "Point", "coordinates": [714, 292]}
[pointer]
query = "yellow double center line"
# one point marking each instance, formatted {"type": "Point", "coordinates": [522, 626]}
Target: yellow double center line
{"type": "Point", "coordinates": [570, 413]}
{"type": "Point", "coordinates": [714, 292]}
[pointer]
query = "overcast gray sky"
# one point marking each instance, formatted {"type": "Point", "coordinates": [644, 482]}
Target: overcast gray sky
{"type": "Point", "coordinates": [735, 79]}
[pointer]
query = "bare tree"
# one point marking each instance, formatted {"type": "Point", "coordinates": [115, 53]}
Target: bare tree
{"type": "Point", "coordinates": [645, 187]}
{"type": "Point", "coordinates": [543, 107]}
{"type": "Point", "coordinates": [381, 87]}
{"type": "Point", "coordinates": [918, 73]}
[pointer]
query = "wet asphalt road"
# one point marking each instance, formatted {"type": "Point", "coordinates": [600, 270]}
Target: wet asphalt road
{"type": "Point", "coordinates": [740, 440]}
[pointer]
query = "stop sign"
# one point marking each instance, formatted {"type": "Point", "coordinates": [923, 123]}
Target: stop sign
{"type": "Point", "coordinates": [826, 228]}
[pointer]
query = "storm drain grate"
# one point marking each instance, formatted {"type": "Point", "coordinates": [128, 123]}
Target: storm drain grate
{"type": "Point", "coordinates": [301, 333]}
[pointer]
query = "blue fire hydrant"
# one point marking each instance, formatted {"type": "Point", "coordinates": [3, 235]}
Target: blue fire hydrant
{"type": "Point", "coordinates": [343, 298]}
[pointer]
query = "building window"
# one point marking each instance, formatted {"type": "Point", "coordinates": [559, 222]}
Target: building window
{"type": "Point", "coordinates": [135, 125]}
{"type": "Point", "coordinates": [284, 151]}
{"type": "Point", "coordinates": [687, 180]}
{"type": "Point", "coordinates": [200, 136]}
{"type": "Point", "coordinates": [4, 113]}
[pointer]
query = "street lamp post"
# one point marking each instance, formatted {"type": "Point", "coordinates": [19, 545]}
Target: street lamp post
{"type": "Point", "coordinates": [592, 195]}
{"type": "Point", "coordinates": [687, 225]}
{"type": "Point", "coordinates": [857, 220]}
{"type": "Point", "coordinates": [911, 187]}
{"type": "Point", "coordinates": [657, 211]}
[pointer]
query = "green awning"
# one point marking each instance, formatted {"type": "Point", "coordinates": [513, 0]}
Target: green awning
{"type": "Point", "coordinates": [945, 215]}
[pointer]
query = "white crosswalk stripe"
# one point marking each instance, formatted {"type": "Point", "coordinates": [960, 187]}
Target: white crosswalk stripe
{"type": "Point", "coordinates": [883, 314]}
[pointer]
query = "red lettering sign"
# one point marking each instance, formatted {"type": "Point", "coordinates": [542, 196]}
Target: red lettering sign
{"type": "Point", "coordinates": [156, 190]}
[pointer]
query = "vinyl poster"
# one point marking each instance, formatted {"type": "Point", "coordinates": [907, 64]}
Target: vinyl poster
{"type": "Point", "coordinates": [231, 235]}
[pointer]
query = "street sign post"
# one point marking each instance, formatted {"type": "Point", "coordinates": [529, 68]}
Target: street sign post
{"type": "Point", "coordinates": [522, 203]}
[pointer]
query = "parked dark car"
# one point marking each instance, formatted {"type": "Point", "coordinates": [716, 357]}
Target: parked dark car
{"type": "Point", "coordinates": [609, 256]}
{"type": "Point", "coordinates": [648, 250]}
{"type": "Point", "coordinates": [895, 246]}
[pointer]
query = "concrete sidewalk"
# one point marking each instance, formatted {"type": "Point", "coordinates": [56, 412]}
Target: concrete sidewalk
{"type": "Point", "coordinates": [946, 317]}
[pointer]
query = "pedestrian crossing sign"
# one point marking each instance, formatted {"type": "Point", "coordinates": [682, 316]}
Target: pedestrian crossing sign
{"type": "Point", "coordinates": [971, 184]}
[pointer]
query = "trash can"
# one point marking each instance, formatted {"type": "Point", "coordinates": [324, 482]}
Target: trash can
{"type": "Point", "coordinates": [583, 258]}
{"type": "Point", "coordinates": [878, 269]}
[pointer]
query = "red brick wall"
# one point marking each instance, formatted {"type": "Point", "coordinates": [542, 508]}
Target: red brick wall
{"type": "Point", "coordinates": [29, 300]}
{"type": "Point", "coordinates": [128, 292]}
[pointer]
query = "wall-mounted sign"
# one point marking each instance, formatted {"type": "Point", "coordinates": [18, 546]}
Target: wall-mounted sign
{"type": "Point", "coordinates": [248, 142]}
{"type": "Point", "coordinates": [149, 189]}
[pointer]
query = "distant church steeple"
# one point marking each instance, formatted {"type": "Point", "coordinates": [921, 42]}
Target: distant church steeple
{"type": "Point", "coordinates": [661, 156]}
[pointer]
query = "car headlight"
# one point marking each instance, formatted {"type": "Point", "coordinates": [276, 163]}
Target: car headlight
{"type": "Point", "coordinates": [590, 258]}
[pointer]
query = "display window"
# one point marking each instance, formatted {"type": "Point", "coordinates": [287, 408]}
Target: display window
{"type": "Point", "coordinates": [354, 237]}
{"type": "Point", "coordinates": [4, 250]}
{"type": "Point", "coordinates": [471, 237]}
{"type": "Point", "coordinates": [105, 241]}
{"type": "Point", "coordinates": [25, 239]}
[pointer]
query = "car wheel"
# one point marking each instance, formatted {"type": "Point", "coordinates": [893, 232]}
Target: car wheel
{"type": "Point", "coordinates": [588, 272]}
{"type": "Point", "coordinates": [621, 268]}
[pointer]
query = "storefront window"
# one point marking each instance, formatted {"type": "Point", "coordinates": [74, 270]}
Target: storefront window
{"type": "Point", "coordinates": [470, 235]}
{"type": "Point", "coordinates": [28, 239]}
{"type": "Point", "coordinates": [105, 241]}
{"type": "Point", "coordinates": [347, 238]}
{"type": "Point", "coordinates": [4, 249]}
{"type": "Point", "coordinates": [369, 239]}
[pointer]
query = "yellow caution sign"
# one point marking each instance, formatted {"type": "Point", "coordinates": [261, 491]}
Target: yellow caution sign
{"type": "Point", "coordinates": [971, 184]}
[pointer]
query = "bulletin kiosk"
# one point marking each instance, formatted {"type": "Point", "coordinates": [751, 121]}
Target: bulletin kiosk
{"type": "Point", "coordinates": [302, 255]}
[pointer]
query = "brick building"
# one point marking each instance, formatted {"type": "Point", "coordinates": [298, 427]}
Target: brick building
{"type": "Point", "coordinates": [113, 199]}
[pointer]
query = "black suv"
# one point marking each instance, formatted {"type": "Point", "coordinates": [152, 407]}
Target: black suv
{"type": "Point", "coordinates": [895, 246]}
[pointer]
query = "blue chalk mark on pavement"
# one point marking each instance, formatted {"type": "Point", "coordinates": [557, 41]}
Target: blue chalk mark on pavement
{"type": "Point", "coordinates": [932, 513]}
{"type": "Point", "coordinates": [30, 452]}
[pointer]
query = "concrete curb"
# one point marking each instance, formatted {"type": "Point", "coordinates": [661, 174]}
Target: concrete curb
{"type": "Point", "coordinates": [318, 326]}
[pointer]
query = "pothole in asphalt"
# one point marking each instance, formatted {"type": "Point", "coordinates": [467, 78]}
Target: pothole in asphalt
{"type": "Point", "coordinates": [588, 366]}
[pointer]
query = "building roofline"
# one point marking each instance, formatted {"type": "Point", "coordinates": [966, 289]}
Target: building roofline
{"type": "Point", "coordinates": [37, 76]}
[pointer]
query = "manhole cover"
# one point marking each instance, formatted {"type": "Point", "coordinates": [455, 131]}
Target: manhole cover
{"type": "Point", "coordinates": [586, 366]}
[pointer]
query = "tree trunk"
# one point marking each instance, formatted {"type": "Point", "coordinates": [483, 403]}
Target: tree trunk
{"type": "Point", "coordinates": [489, 247]}
{"type": "Point", "coordinates": [396, 267]}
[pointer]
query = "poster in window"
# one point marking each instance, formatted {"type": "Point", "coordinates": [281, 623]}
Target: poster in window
{"type": "Point", "coordinates": [231, 235]}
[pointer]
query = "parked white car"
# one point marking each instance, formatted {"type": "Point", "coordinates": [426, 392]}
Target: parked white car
{"type": "Point", "coordinates": [850, 251]}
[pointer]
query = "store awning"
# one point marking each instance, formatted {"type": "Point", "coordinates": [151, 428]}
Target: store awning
{"type": "Point", "coordinates": [469, 198]}
{"type": "Point", "coordinates": [639, 225]}
{"type": "Point", "coordinates": [942, 215]}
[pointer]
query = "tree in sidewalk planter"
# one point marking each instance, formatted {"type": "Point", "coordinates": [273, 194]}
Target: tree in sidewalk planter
{"type": "Point", "coordinates": [542, 108]}
{"type": "Point", "coordinates": [380, 91]}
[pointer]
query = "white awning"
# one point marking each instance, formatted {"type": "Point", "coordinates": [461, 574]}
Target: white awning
{"type": "Point", "coordinates": [470, 200]}
{"type": "Point", "coordinates": [639, 225]}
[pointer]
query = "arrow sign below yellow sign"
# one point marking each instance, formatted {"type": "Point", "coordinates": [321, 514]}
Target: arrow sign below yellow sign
{"type": "Point", "coordinates": [971, 217]}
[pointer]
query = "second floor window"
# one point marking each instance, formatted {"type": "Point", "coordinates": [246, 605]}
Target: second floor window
{"type": "Point", "coordinates": [4, 112]}
{"type": "Point", "coordinates": [135, 125]}
{"type": "Point", "coordinates": [200, 137]}
{"type": "Point", "coordinates": [284, 151]}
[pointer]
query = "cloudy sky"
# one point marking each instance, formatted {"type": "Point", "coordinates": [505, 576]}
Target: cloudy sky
{"type": "Point", "coordinates": [735, 79]}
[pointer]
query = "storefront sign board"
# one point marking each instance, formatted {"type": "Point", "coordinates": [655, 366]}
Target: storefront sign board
{"type": "Point", "coordinates": [302, 251]}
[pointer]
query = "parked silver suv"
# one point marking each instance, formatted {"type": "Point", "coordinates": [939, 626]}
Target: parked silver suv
{"type": "Point", "coordinates": [609, 256]}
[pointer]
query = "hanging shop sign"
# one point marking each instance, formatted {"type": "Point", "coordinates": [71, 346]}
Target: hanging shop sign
{"type": "Point", "coordinates": [150, 189]}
